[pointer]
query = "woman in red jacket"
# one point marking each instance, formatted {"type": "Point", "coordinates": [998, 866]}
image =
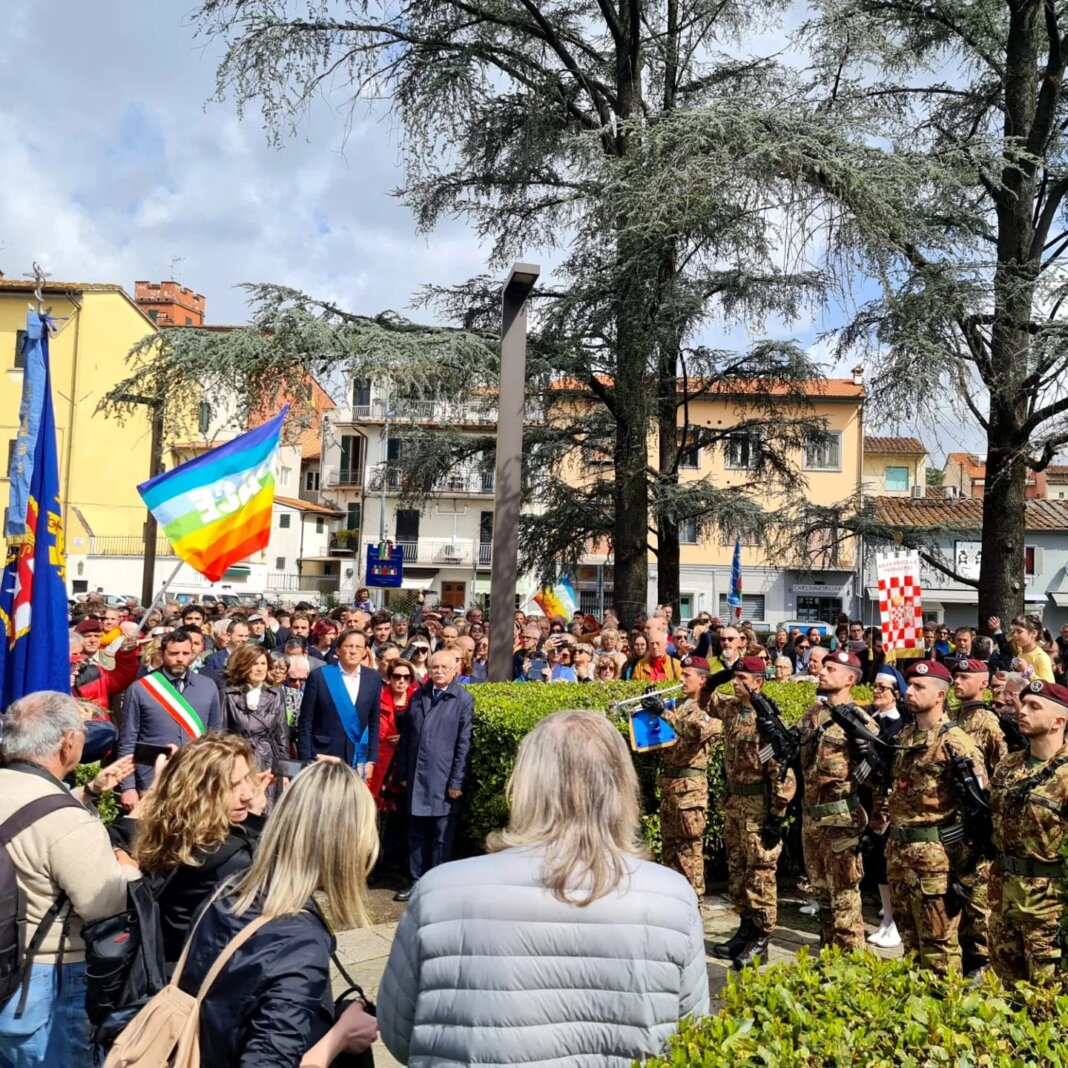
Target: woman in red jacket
{"type": "Point", "coordinates": [395, 698]}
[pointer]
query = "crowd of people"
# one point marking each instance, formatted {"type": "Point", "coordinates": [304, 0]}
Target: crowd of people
{"type": "Point", "coordinates": [233, 736]}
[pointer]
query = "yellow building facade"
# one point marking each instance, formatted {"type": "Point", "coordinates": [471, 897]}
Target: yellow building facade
{"type": "Point", "coordinates": [100, 462]}
{"type": "Point", "coordinates": [775, 589]}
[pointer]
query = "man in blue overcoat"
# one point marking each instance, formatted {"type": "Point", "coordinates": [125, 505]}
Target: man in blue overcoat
{"type": "Point", "coordinates": [433, 756]}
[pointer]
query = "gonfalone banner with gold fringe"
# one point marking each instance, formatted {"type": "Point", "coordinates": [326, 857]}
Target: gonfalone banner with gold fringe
{"type": "Point", "coordinates": [900, 604]}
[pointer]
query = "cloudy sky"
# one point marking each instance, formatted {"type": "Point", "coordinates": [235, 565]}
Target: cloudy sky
{"type": "Point", "coordinates": [116, 167]}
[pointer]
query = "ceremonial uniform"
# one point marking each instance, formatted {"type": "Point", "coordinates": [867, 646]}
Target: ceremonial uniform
{"type": "Point", "coordinates": [1029, 801]}
{"type": "Point", "coordinates": [753, 792]}
{"type": "Point", "coordinates": [833, 819]}
{"type": "Point", "coordinates": [982, 725]}
{"type": "Point", "coordinates": [684, 791]}
{"type": "Point", "coordinates": [924, 804]}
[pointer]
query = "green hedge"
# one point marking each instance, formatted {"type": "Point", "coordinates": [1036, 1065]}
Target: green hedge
{"type": "Point", "coordinates": [855, 1008]}
{"type": "Point", "coordinates": [504, 712]}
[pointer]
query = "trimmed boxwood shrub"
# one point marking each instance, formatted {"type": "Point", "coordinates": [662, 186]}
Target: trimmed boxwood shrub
{"type": "Point", "coordinates": [504, 712]}
{"type": "Point", "coordinates": [855, 1008]}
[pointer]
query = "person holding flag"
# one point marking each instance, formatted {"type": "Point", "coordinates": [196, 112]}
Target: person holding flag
{"type": "Point", "coordinates": [170, 706]}
{"type": "Point", "coordinates": [734, 597]}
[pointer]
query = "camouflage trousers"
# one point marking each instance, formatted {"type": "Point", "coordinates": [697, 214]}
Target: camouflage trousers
{"type": "Point", "coordinates": [975, 917]}
{"type": "Point", "coordinates": [750, 867]}
{"type": "Point", "coordinates": [835, 870]}
{"type": "Point", "coordinates": [682, 831]}
{"type": "Point", "coordinates": [1025, 926]}
{"type": "Point", "coordinates": [918, 874]}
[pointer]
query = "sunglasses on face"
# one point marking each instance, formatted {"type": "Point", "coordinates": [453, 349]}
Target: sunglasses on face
{"type": "Point", "coordinates": [400, 675]}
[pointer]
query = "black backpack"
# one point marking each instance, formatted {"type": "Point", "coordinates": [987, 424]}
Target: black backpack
{"type": "Point", "coordinates": [15, 960]}
{"type": "Point", "coordinates": [124, 962]}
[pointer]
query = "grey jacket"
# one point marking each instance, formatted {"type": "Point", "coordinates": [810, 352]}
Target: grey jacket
{"type": "Point", "coordinates": [488, 968]}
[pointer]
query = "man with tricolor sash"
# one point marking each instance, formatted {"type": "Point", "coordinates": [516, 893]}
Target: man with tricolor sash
{"type": "Point", "coordinates": [167, 707]}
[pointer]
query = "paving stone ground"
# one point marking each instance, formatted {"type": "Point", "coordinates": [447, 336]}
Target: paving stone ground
{"type": "Point", "coordinates": [364, 952]}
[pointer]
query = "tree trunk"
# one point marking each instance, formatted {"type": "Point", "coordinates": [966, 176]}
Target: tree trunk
{"type": "Point", "coordinates": [1001, 571]}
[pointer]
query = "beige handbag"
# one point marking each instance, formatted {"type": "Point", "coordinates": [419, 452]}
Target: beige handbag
{"type": "Point", "coordinates": [166, 1032]}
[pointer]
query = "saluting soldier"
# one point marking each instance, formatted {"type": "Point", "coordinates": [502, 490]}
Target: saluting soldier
{"type": "Point", "coordinates": [979, 721]}
{"type": "Point", "coordinates": [684, 779]}
{"type": "Point", "coordinates": [926, 848]}
{"type": "Point", "coordinates": [833, 817]}
{"type": "Point", "coordinates": [1029, 801]}
{"type": "Point", "coordinates": [754, 806]}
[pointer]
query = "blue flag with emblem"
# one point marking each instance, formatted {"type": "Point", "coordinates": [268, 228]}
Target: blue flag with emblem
{"type": "Point", "coordinates": [33, 593]}
{"type": "Point", "coordinates": [734, 598]}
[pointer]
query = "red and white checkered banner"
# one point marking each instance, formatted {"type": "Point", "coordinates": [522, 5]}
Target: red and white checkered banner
{"type": "Point", "coordinates": [900, 604]}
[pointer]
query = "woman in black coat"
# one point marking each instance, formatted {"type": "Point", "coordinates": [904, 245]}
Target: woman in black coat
{"type": "Point", "coordinates": [198, 826]}
{"type": "Point", "coordinates": [271, 1006]}
{"type": "Point", "coordinates": [255, 710]}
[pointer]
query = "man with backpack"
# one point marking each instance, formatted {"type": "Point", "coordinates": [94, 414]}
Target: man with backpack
{"type": "Point", "coordinates": [57, 871]}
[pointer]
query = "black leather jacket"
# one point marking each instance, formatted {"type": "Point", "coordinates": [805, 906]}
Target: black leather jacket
{"type": "Point", "coordinates": [272, 1002]}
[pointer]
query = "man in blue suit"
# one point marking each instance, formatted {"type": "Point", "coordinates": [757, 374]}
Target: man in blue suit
{"type": "Point", "coordinates": [433, 757]}
{"type": "Point", "coordinates": [341, 705]}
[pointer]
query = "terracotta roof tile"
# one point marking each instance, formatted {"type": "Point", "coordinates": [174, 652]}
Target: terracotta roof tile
{"type": "Point", "coordinates": [306, 506]}
{"type": "Point", "coordinates": [901, 446]}
{"type": "Point", "coordinates": [972, 465]}
{"type": "Point", "coordinates": [22, 285]}
{"type": "Point", "coordinates": [831, 388]}
{"type": "Point", "coordinates": [963, 513]}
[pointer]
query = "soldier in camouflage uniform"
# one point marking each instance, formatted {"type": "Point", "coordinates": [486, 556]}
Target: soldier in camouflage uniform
{"type": "Point", "coordinates": [684, 779]}
{"type": "Point", "coordinates": [922, 809]}
{"type": "Point", "coordinates": [981, 724]}
{"type": "Point", "coordinates": [1029, 800]}
{"type": "Point", "coordinates": [754, 807]}
{"type": "Point", "coordinates": [833, 817]}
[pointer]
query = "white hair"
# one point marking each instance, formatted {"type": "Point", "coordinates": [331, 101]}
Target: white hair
{"type": "Point", "coordinates": [35, 725]}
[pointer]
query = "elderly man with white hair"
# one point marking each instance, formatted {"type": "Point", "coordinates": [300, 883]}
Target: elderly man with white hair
{"type": "Point", "coordinates": [66, 871]}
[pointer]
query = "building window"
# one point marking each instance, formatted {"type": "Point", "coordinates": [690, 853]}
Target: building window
{"type": "Point", "coordinates": [279, 563]}
{"type": "Point", "coordinates": [311, 481]}
{"type": "Point", "coordinates": [743, 451]}
{"type": "Point", "coordinates": [361, 394]}
{"type": "Point", "coordinates": [204, 417]}
{"type": "Point", "coordinates": [153, 314]}
{"type": "Point", "coordinates": [283, 521]}
{"type": "Point", "coordinates": [20, 353]}
{"type": "Point", "coordinates": [823, 451]}
{"type": "Point", "coordinates": [352, 516]}
{"type": "Point", "coordinates": [283, 476]}
{"type": "Point", "coordinates": [752, 607]}
{"type": "Point", "coordinates": [689, 458]}
{"type": "Point", "coordinates": [1032, 560]}
{"type": "Point", "coordinates": [688, 531]}
{"type": "Point", "coordinates": [897, 480]}
{"type": "Point", "coordinates": [320, 524]}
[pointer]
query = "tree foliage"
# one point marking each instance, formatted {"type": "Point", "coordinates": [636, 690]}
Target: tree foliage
{"type": "Point", "coordinates": [537, 121]}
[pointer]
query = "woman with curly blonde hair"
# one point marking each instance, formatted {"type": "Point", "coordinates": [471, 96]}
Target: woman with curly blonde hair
{"type": "Point", "coordinates": [199, 824]}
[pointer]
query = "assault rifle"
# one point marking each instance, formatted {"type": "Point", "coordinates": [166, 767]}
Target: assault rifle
{"type": "Point", "coordinates": [876, 754]}
{"type": "Point", "coordinates": [780, 741]}
{"type": "Point", "coordinates": [975, 801]}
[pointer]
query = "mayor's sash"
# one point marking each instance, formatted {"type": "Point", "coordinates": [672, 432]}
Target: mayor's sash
{"type": "Point", "coordinates": [174, 704]}
{"type": "Point", "coordinates": [346, 707]}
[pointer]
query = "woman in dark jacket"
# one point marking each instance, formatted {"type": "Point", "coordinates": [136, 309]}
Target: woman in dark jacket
{"type": "Point", "coordinates": [198, 826]}
{"type": "Point", "coordinates": [271, 1006]}
{"type": "Point", "coordinates": [255, 710]}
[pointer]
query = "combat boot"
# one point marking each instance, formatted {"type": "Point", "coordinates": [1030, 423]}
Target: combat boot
{"type": "Point", "coordinates": [755, 951]}
{"type": "Point", "coordinates": [733, 946]}
{"type": "Point", "coordinates": [826, 927]}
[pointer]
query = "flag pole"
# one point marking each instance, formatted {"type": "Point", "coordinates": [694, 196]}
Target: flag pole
{"type": "Point", "coordinates": [159, 596]}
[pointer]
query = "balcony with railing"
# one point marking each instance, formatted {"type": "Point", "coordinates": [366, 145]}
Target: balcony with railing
{"type": "Point", "coordinates": [441, 552]}
{"type": "Point", "coordinates": [339, 477]}
{"type": "Point", "coordinates": [462, 482]}
{"type": "Point", "coordinates": [287, 582]}
{"type": "Point", "coordinates": [123, 545]}
{"type": "Point", "coordinates": [445, 412]}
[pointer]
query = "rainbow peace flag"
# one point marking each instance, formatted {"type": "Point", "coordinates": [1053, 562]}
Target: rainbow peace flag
{"type": "Point", "coordinates": [559, 601]}
{"type": "Point", "coordinates": [216, 509]}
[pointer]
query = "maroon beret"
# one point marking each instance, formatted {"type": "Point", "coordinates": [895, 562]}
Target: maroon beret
{"type": "Point", "coordinates": [89, 626]}
{"type": "Point", "coordinates": [846, 659]}
{"type": "Point", "coordinates": [1050, 691]}
{"type": "Point", "coordinates": [698, 663]}
{"type": "Point", "coordinates": [753, 665]}
{"type": "Point", "coordinates": [971, 667]}
{"type": "Point", "coordinates": [929, 669]}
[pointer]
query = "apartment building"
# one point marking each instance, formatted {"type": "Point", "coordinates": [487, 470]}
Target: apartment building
{"type": "Point", "coordinates": [447, 538]}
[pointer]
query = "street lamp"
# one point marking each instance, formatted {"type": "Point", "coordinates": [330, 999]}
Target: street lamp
{"type": "Point", "coordinates": [508, 484]}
